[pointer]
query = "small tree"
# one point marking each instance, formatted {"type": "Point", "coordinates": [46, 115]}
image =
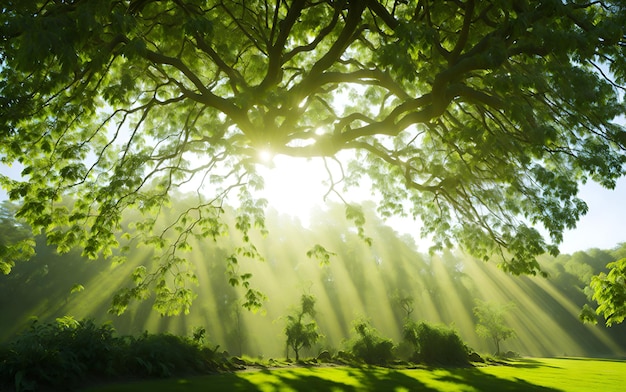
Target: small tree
{"type": "Point", "coordinates": [490, 323]}
{"type": "Point", "coordinates": [406, 303]}
{"type": "Point", "coordinates": [300, 334]}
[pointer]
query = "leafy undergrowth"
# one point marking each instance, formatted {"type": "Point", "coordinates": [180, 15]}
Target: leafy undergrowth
{"type": "Point", "coordinates": [534, 375]}
{"type": "Point", "coordinates": [68, 353]}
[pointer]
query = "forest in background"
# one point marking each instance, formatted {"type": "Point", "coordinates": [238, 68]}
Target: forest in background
{"type": "Point", "coordinates": [360, 281]}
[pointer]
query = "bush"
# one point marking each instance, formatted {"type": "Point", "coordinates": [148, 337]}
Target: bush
{"type": "Point", "coordinates": [369, 346]}
{"type": "Point", "coordinates": [57, 354]}
{"type": "Point", "coordinates": [65, 353]}
{"type": "Point", "coordinates": [163, 355]}
{"type": "Point", "coordinates": [436, 345]}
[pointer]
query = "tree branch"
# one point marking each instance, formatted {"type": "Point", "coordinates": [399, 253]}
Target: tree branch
{"type": "Point", "coordinates": [275, 52]}
{"type": "Point", "coordinates": [346, 36]}
{"type": "Point", "coordinates": [463, 36]}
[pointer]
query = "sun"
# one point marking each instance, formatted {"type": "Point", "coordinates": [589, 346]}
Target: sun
{"type": "Point", "coordinates": [265, 156]}
{"type": "Point", "coordinates": [293, 186]}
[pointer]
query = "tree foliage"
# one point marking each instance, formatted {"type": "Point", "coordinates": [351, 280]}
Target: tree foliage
{"type": "Point", "coordinates": [479, 118]}
{"type": "Point", "coordinates": [491, 324]}
{"type": "Point", "coordinates": [16, 240]}
{"type": "Point", "coordinates": [609, 291]}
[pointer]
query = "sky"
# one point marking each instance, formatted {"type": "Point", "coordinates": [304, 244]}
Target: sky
{"type": "Point", "coordinates": [604, 226]}
{"type": "Point", "coordinates": [294, 187]}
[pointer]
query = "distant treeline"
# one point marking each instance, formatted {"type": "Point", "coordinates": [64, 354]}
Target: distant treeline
{"type": "Point", "coordinates": [360, 281]}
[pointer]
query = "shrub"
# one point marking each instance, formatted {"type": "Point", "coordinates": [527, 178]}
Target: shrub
{"type": "Point", "coordinates": [369, 346]}
{"type": "Point", "coordinates": [57, 354]}
{"type": "Point", "coordinates": [436, 345]}
{"type": "Point", "coordinates": [65, 353]}
{"type": "Point", "coordinates": [162, 355]}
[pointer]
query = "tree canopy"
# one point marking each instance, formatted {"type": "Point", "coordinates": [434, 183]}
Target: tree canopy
{"type": "Point", "coordinates": [478, 118]}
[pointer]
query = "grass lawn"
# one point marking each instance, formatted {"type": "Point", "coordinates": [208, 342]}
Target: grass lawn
{"type": "Point", "coordinates": [553, 374]}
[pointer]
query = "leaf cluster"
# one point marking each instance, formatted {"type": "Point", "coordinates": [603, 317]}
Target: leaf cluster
{"type": "Point", "coordinates": [609, 291]}
{"type": "Point", "coordinates": [16, 239]}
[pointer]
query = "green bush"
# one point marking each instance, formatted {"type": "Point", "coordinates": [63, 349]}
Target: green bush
{"type": "Point", "coordinates": [65, 353]}
{"type": "Point", "coordinates": [163, 355]}
{"type": "Point", "coordinates": [436, 345]}
{"type": "Point", "coordinates": [57, 354]}
{"type": "Point", "coordinates": [369, 346]}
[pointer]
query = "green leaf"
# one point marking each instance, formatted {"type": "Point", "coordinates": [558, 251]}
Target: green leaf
{"type": "Point", "coordinates": [77, 288]}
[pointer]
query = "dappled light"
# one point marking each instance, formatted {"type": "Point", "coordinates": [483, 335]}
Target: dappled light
{"type": "Point", "coordinates": [543, 375]}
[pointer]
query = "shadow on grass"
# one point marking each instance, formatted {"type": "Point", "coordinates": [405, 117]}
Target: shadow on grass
{"type": "Point", "coordinates": [354, 379]}
{"type": "Point", "coordinates": [338, 380]}
{"type": "Point", "coordinates": [527, 363]}
{"type": "Point", "coordinates": [616, 360]}
{"type": "Point", "coordinates": [368, 379]}
{"type": "Point", "coordinates": [217, 382]}
{"type": "Point", "coordinates": [383, 379]}
{"type": "Point", "coordinates": [480, 381]}
{"type": "Point", "coordinates": [391, 380]}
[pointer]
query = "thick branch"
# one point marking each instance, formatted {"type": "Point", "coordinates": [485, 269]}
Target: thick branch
{"type": "Point", "coordinates": [235, 77]}
{"type": "Point", "coordinates": [463, 36]}
{"type": "Point", "coordinates": [322, 34]}
{"type": "Point", "coordinates": [379, 10]}
{"type": "Point", "coordinates": [275, 53]}
{"type": "Point", "coordinates": [345, 38]}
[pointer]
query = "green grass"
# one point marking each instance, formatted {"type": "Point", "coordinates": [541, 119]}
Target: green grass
{"type": "Point", "coordinates": [528, 375]}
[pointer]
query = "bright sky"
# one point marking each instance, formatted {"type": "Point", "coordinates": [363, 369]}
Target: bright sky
{"type": "Point", "coordinates": [604, 226]}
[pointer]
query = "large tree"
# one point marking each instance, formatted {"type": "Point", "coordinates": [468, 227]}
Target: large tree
{"type": "Point", "coordinates": [480, 118]}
